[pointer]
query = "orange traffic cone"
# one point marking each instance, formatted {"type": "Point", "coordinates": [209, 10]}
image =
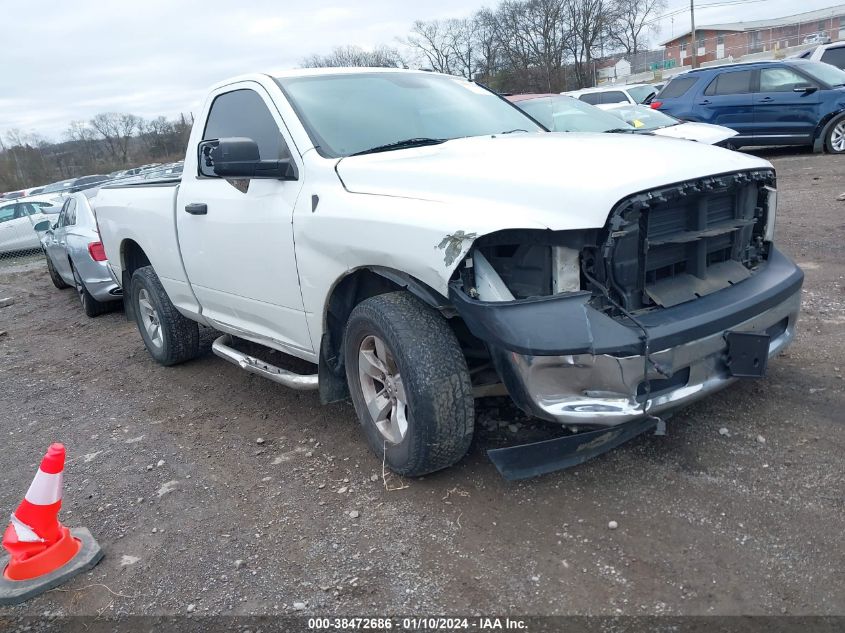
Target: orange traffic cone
{"type": "Point", "coordinates": [44, 553]}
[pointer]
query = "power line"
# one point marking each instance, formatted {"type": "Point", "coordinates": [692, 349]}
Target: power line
{"type": "Point", "coordinates": [709, 5]}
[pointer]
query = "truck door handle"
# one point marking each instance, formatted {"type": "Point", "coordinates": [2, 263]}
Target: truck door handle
{"type": "Point", "coordinates": [766, 99]}
{"type": "Point", "coordinates": [197, 208]}
{"type": "Point", "coordinates": [704, 102]}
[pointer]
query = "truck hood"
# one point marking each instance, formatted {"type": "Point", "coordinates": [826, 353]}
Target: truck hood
{"type": "Point", "coordinates": [558, 181]}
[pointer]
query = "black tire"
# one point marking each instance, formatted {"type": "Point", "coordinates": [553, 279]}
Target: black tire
{"type": "Point", "coordinates": [836, 127]}
{"type": "Point", "coordinates": [179, 335]}
{"type": "Point", "coordinates": [440, 407]}
{"type": "Point", "coordinates": [55, 277]}
{"type": "Point", "coordinates": [91, 306]}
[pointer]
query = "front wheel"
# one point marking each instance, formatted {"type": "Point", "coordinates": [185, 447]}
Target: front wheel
{"type": "Point", "coordinates": [169, 337]}
{"type": "Point", "coordinates": [409, 383]}
{"type": "Point", "coordinates": [835, 140]}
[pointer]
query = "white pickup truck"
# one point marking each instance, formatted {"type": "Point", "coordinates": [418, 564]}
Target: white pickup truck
{"type": "Point", "coordinates": [421, 241]}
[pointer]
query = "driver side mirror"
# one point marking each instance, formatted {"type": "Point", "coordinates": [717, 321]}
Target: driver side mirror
{"type": "Point", "coordinates": [238, 157]}
{"type": "Point", "coordinates": [804, 88]}
{"type": "Point", "coordinates": [42, 226]}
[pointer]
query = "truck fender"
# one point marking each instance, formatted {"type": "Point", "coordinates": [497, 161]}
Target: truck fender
{"type": "Point", "coordinates": [347, 292]}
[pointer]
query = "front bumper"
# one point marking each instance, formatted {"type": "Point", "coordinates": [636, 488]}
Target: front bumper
{"type": "Point", "coordinates": [573, 365]}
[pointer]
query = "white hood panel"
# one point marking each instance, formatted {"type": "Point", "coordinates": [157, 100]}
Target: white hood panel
{"type": "Point", "coordinates": [555, 181]}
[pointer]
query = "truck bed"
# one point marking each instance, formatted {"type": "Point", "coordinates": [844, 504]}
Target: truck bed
{"type": "Point", "coordinates": [144, 213]}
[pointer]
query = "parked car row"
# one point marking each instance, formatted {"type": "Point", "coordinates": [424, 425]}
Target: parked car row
{"type": "Point", "coordinates": [796, 101]}
{"type": "Point", "coordinates": [561, 113]}
{"type": "Point", "coordinates": [72, 185]}
{"type": "Point", "coordinates": [787, 102]}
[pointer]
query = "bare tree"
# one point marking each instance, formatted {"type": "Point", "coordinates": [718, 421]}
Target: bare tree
{"type": "Point", "coordinates": [461, 36]}
{"type": "Point", "coordinates": [632, 20]}
{"type": "Point", "coordinates": [157, 136]}
{"type": "Point", "coordinates": [355, 56]}
{"type": "Point", "coordinates": [116, 130]}
{"type": "Point", "coordinates": [514, 43]}
{"type": "Point", "coordinates": [27, 160]}
{"type": "Point", "coordinates": [587, 21]}
{"type": "Point", "coordinates": [84, 137]}
{"type": "Point", "coordinates": [533, 36]}
{"type": "Point", "coordinates": [432, 42]}
{"type": "Point", "coordinates": [24, 157]}
{"type": "Point", "coordinates": [487, 48]}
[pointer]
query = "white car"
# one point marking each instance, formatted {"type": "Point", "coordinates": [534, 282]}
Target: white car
{"type": "Point", "coordinates": [605, 95]}
{"type": "Point", "coordinates": [561, 113]}
{"type": "Point", "coordinates": [817, 38]}
{"type": "Point", "coordinates": [419, 240]}
{"type": "Point", "coordinates": [17, 221]}
{"type": "Point", "coordinates": [646, 119]}
{"type": "Point", "coordinates": [829, 53]}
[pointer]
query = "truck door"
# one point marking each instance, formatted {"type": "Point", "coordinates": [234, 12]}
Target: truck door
{"type": "Point", "coordinates": [238, 249]}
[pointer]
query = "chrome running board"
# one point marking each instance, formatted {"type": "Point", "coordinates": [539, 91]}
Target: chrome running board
{"type": "Point", "coordinates": [301, 382]}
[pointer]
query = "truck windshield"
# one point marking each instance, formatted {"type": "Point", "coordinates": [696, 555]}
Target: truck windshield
{"type": "Point", "coordinates": [346, 114]}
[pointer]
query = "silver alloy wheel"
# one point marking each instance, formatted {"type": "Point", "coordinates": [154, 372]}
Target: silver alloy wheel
{"type": "Point", "coordinates": [383, 390]}
{"type": "Point", "coordinates": [149, 317]}
{"type": "Point", "coordinates": [837, 137]}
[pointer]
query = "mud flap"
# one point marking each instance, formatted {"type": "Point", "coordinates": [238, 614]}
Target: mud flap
{"type": "Point", "coordinates": [539, 458]}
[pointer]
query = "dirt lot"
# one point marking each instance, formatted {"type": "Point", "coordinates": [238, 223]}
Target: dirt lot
{"type": "Point", "coordinates": [213, 491]}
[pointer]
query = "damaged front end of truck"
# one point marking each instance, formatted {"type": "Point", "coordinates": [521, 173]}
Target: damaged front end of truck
{"type": "Point", "coordinates": [606, 331]}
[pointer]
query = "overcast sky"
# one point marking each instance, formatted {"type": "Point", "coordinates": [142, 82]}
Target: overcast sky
{"type": "Point", "coordinates": [65, 61]}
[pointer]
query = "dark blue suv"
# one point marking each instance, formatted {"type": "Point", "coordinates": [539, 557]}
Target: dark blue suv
{"type": "Point", "coordinates": [788, 102]}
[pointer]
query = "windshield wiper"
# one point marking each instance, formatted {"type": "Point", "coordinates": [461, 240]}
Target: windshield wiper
{"type": "Point", "coordinates": [620, 130]}
{"type": "Point", "coordinates": [419, 141]}
{"type": "Point", "coordinates": [519, 129]}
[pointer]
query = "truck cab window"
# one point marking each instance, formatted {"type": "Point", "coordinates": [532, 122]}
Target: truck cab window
{"type": "Point", "coordinates": [243, 113]}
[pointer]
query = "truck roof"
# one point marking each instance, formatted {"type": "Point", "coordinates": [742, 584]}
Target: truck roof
{"type": "Point", "coordinates": [315, 72]}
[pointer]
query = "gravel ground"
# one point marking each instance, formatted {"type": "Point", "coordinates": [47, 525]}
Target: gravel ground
{"type": "Point", "coordinates": [213, 491]}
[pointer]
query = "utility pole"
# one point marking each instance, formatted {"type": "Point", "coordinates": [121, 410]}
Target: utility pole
{"type": "Point", "coordinates": [693, 42]}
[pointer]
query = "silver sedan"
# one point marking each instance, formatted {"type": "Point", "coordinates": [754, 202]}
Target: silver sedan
{"type": "Point", "coordinates": [75, 255]}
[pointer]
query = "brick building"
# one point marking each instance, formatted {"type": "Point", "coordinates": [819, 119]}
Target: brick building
{"type": "Point", "coordinates": [720, 41]}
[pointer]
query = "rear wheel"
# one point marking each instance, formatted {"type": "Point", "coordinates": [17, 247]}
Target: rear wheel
{"type": "Point", "coordinates": [835, 140]}
{"type": "Point", "coordinates": [55, 277]}
{"type": "Point", "coordinates": [409, 383]}
{"type": "Point", "coordinates": [170, 338]}
{"type": "Point", "coordinates": [90, 305]}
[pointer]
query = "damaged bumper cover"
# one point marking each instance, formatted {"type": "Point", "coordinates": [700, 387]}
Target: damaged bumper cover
{"type": "Point", "coordinates": [563, 361]}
